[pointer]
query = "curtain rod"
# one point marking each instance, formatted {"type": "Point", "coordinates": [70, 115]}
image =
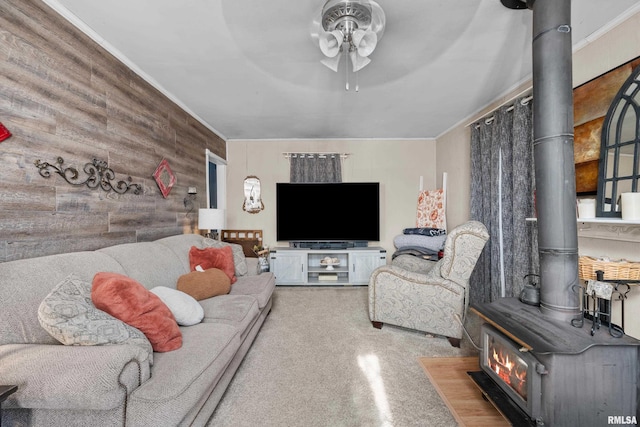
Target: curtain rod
{"type": "Point", "coordinates": [288, 155]}
{"type": "Point", "coordinates": [523, 101]}
{"type": "Point", "coordinates": [488, 120]}
{"type": "Point", "coordinates": [525, 92]}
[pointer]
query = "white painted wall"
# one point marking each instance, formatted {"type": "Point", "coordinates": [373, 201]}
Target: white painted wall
{"type": "Point", "coordinates": [454, 158]}
{"type": "Point", "coordinates": [396, 164]}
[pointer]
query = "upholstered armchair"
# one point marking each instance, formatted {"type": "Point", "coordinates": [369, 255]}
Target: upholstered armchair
{"type": "Point", "coordinates": [426, 295]}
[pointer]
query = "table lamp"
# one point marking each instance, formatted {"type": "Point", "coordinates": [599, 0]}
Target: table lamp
{"type": "Point", "coordinates": [212, 220]}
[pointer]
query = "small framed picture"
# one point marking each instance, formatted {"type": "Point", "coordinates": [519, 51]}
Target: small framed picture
{"type": "Point", "coordinates": [164, 178]}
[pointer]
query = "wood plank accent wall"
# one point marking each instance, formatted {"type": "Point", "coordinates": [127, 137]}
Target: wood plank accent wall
{"type": "Point", "coordinates": [62, 94]}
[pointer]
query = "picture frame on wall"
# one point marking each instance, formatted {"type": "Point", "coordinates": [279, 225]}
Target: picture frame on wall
{"type": "Point", "coordinates": [164, 177]}
{"type": "Point", "coordinates": [591, 101]}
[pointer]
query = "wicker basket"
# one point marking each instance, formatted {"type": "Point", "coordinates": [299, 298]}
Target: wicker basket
{"type": "Point", "coordinates": [613, 270]}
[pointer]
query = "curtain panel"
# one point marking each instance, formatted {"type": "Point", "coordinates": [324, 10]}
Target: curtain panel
{"type": "Point", "coordinates": [315, 167]}
{"type": "Point", "coordinates": [502, 197]}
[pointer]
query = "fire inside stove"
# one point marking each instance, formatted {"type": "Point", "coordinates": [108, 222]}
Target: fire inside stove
{"type": "Point", "coordinates": [563, 378]}
{"type": "Point", "coordinates": [507, 365]}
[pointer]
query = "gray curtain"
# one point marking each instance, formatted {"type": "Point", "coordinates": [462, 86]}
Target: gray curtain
{"type": "Point", "coordinates": [305, 167]}
{"type": "Point", "coordinates": [502, 194]}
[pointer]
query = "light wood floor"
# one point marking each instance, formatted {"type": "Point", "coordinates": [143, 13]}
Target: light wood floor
{"type": "Point", "coordinates": [463, 398]}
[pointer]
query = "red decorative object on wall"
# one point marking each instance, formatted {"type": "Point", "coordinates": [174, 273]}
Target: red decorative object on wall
{"type": "Point", "coordinates": [4, 133]}
{"type": "Point", "coordinates": [164, 178]}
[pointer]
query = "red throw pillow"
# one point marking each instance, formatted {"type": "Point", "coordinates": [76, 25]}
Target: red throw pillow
{"type": "Point", "coordinates": [221, 258]}
{"type": "Point", "coordinates": [127, 300]}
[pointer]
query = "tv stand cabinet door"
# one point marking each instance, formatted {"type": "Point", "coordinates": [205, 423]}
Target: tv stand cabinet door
{"type": "Point", "coordinates": [363, 264]}
{"type": "Point", "coordinates": [289, 267]}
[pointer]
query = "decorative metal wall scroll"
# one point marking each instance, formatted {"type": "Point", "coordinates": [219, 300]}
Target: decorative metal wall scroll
{"type": "Point", "coordinates": [100, 175]}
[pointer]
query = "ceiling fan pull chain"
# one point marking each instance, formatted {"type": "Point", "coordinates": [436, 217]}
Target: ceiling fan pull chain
{"type": "Point", "coordinates": [346, 69]}
{"type": "Point", "coordinates": [357, 85]}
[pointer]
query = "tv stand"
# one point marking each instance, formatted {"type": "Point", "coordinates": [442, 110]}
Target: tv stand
{"type": "Point", "coordinates": [329, 245]}
{"type": "Point", "coordinates": [295, 266]}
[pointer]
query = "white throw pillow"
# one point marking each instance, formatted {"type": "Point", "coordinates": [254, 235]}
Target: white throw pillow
{"type": "Point", "coordinates": [184, 307]}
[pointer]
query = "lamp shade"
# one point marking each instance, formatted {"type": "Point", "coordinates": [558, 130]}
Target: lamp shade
{"type": "Point", "coordinates": [211, 219]}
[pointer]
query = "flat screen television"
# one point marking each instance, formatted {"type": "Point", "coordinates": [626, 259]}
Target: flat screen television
{"type": "Point", "coordinates": [328, 212]}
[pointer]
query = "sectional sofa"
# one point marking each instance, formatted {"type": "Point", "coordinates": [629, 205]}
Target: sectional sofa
{"type": "Point", "coordinates": [122, 385]}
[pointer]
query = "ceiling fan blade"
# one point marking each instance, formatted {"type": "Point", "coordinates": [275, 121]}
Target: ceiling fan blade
{"type": "Point", "coordinates": [378, 19]}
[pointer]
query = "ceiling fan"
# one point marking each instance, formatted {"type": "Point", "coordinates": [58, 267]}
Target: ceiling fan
{"type": "Point", "coordinates": [350, 28]}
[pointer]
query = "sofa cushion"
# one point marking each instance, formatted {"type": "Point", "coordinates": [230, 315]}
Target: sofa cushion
{"type": "Point", "coordinates": [183, 306]}
{"type": "Point", "coordinates": [180, 245]}
{"type": "Point", "coordinates": [182, 377]}
{"type": "Point", "coordinates": [414, 263]}
{"type": "Point", "coordinates": [204, 284]}
{"type": "Point", "coordinates": [239, 260]}
{"type": "Point", "coordinates": [260, 287]}
{"type": "Point", "coordinates": [129, 301]}
{"type": "Point", "coordinates": [25, 283]}
{"type": "Point", "coordinates": [68, 314]}
{"type": "Point", "coordinates": [151, 264]}
{"type": "Point", "coordinates": [207, 258]}
{"type": "Point", "coordinates": [238, 310]}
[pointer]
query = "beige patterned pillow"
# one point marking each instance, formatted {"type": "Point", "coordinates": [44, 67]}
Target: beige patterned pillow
{"type": "Point", "coordinates": [68, 315]}
{"type": "Point", "coordinates": [239, 259]}
{"type": "Point", "coordinates": [431, 209]}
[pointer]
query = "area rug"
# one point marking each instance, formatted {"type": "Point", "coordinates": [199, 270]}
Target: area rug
{"type": "Point", "coordinates": [459, 393]}
{"type": "Point", "coordinates": [317, 361]}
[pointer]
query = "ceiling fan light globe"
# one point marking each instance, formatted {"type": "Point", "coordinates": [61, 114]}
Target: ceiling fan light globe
{"type": "Point", "coordinates": [330, 43]}
{"type": "Point", "coordinates": [358, 62]}
{"type": "Point", "coordinates": [332, 62]}
{"type": "Point", "coordinates": [365, 42]}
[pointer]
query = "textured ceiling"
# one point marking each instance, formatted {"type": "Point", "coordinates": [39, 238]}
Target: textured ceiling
{"type": "Point", "coordinates": [249, 69]}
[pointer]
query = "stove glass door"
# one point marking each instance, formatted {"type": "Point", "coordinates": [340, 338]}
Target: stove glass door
{"type": "Point", "coordinates": [503, 360]}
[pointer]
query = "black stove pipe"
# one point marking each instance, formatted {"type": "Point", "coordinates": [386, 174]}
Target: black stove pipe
{"type": "Point", "coordinates": [554, 161]}
{"type": "Point", "coordinates": [553, 154]}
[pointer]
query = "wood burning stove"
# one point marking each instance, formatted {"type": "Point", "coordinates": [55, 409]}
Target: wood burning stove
{"type": "Point", "coordinates": [584, 380]}
{"type": "Point", "coordinates": [552, 373]}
